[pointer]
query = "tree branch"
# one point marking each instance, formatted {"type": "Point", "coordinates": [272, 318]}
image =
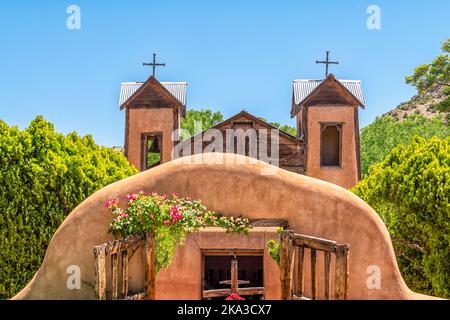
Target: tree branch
{"type": "Point", "coordinates": [409, 244]}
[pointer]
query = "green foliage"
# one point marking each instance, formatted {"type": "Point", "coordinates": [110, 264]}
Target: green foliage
{"type": "Point", "coordinates": [385, 133]}
{"type": "Point", "coordinates": [274, 247]}
{"type": "Point", "coordinates": [410, 189]}
{"type": "Point", "coordinates": [43, 176]}
{"type": "Point", "coordinates": [434, 74]}
{"type": "Point", "coordinates": [168, 218]}
{"type": "Point", "coordinates": [206, 118]}
{"type": "Point", "coordinates": [274, 250]}
{"type": "Point", "coordinates": [427, 76]}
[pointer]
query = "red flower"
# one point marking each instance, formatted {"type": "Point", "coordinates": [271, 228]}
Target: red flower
{"type": "Point", "coordinates": [234, 296]}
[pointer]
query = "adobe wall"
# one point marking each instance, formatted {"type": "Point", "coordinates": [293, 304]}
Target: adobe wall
{"type": "Point", "coordinates": [183, 279]}
{"type": "Point", "coordinates": [345, 176]}
{"type": "Point", "coordinates": [145, 120]}
{"type": "Point", "coordinates": [311, 206]}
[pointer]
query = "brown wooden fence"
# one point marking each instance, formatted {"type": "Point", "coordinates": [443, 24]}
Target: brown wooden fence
{"type": "Point", "coordinates": [292, 266]}
{"type": "Point", "coordinates": [120, 252]}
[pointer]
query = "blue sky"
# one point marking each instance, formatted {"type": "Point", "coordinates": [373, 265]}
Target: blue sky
{"type": "Point", "coordinates": [233, 54]}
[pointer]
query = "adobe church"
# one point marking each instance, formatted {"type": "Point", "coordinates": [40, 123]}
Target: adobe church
{"type": "Point", "coordinates": [333, 244]}
{"type": "Point", "coordinates": [326, 145]}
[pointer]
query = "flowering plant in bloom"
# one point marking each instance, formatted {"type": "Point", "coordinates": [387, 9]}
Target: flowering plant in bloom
{"type": "Point", "coordinates": [168, 218]}
{"type": "Point", "coordinates": [234, 296]}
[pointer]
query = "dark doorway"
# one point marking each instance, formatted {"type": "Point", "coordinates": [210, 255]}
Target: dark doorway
{"type": "Point", "coordinates": [218, 274]}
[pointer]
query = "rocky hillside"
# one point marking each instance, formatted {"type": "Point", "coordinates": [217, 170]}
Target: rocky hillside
{"type": "Point", "coordinates": [421, 104]}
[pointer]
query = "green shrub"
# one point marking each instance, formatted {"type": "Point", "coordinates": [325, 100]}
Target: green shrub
{"type": "Point", "coordinates": [385, 133]}
{"type": "Point", "coordinates": [43, 176]}
{"type": "Point", "coordinates": [274, 248]}
{"type": "Point", "coordinates": [410, 189]}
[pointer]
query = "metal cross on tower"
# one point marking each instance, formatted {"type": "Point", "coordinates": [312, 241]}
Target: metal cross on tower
{"type": "Point", "coordinates": [154, 64]}
{"type": "Point", "coordinates": [327, 62]}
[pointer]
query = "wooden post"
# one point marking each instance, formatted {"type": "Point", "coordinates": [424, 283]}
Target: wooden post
{"type": "Point", "coordinates": [115, 276]}
{"type": "Point", "coordinates": [150, 265]}
{"type": "Point", "coordinates": [341, 275]}
{"type": "Point", "coordinates": [285, 264]}
{"type": "Point", "coordinates": [298, 278]}
{"type": "Point", "coordinates": [234, 276]}
{"type": "Point", "coordinates": [327, 274]}
{"type": "Point", "coordinates": [125, 273]}
{"type": "Point", "coordinates": [313, 274]}
{"type": "Point", "coordinates": [100, 273]}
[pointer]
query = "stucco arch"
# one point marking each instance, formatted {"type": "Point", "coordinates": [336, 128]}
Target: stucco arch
{"type": "Point", "coordinates": [255, 190]}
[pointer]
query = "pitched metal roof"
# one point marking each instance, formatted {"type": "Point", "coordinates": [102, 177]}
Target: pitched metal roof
{"type": "Point", "coordinates": [304, 87]}
{"type": "Point", "coordinates": [177, 89]}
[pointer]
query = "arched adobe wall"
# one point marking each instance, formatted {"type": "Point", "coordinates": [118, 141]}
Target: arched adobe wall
{"type": "Point", "coordinates": [258, 190]}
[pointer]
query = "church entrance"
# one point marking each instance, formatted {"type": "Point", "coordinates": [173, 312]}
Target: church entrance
{"type": "Point", "coordinates": [233, 272]}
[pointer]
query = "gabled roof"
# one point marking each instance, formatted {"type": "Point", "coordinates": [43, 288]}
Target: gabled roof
{"type": "Point", "coordinates": [129, 90]}
{"type": "Point", "coordinates": [253, 118]}
{"type": "Point", "coordinates": [303, 88]}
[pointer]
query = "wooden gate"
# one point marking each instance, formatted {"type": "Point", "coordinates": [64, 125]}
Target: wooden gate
{"type": "Point", "coordinates": [292, 266]}
{"type": "Point", "coordinates": [120, 252]}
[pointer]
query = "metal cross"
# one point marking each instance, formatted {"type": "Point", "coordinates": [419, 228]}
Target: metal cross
{"type": "Point", "coordinates": [154, 64]}
{"type": "Point", "coordinates": [327, 62]}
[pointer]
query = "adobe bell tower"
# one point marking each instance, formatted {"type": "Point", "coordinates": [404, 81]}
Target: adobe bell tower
{"type": "Point", "coordinates": [152, 114]}
{"type": "Point", "coordinates": [328, 121]}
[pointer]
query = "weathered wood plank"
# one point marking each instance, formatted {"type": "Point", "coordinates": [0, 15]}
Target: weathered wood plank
{"type": "Point", "coordinates": [269, 223]}
{"type": "Point", "coordinates": [137, 296]}
{"type": "Point", "coordinates": [100, 274]}
{"type": "Point", "coordinates": [251, 291]}
{"type": "Point", "coordinates": [115, 276]}
{"type": "Point", "coordinates": [341, 272]}
{"type": "Point", "coordinates": [234, 276]}
{"type": "Point", "coordinates": [285, 264]}
{"type": "Point", "coordinates": [314, 243]}
{"type": "Point", "coordinates": [115, 246]}
{"type": "Point", "coordinates": [314, 274]}
{"type": "Point", "coordinates": [216, 293]}
{"type": "Point", "coordinates": [299, 274]}
{"type": "Point", "coordinates": [226, 292]}
{"type": "Point", "coordinates": [150, 266]}
{"type": "Point", "coordinates": [295, 297]}
{"type": "Point", "coordinates": [327, 274]}
{"type": "Point", "coordinates": [125, 273]}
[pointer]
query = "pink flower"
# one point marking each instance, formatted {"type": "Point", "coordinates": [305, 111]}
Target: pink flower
{"type": "Point", "coordinates": [111, 203]}
{"type": "Point", "coordinates": [174, 194]}
{"type": "Point", "coordinates": [131, 197]}
{"type": "Point", "coordinates": [164, 196]}
{"type": "Point", "coordinates": [175, 213]}
{"type": "Point", "coordinates": [167, 222]}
